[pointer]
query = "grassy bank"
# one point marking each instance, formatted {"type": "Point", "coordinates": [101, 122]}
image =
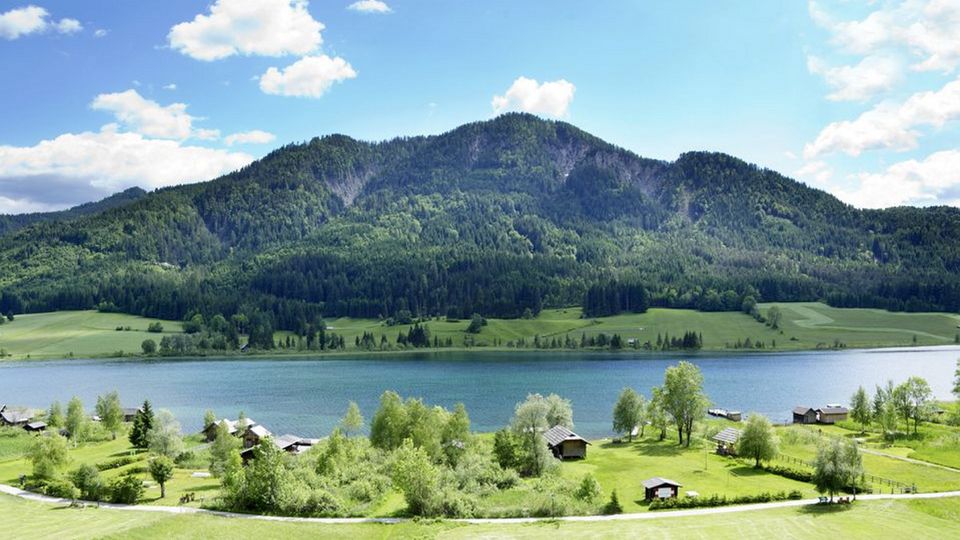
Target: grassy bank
{"type": "Point", "coordinates": [875, 519]}
{"type": "Point", "coordinates": [805, 326]}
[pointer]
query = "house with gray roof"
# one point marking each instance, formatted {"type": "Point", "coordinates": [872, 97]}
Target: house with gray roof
{"type": "Point", "coordinates": [565, 444]}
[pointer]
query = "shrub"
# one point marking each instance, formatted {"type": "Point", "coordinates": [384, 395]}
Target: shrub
{"type": "Point", "coordinates": [116, 463]}
{"type": "Point", "coordinates": [588, 490]}
{"type": "Point", "coordinates": [126, 490]}
{"type": "Point", "coordinates": [717, 500]}
{"type": "Point", "coordinates": [786, 472]}
{"type": "Point", "coordinates": [61, 487]}
{"type": "Point", "coordinates": [549, 505]}
{"type": "Point", "coordinates": [155, 327]}
{"type": "Point", "coordinates": [613, 506]}
{"type": "Point", "coordinates": [88, 481]}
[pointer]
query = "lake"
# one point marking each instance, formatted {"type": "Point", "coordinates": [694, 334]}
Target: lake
{"type": "Point", "coordinates": [307, 396]}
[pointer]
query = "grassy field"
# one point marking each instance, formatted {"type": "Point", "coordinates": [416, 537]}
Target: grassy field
{"type": "Point", "coordinates": [80, 334]}
{"type": "Point", "coordinates": [875, 519]}
{"type": "Point", "coordinates": [805, 326]}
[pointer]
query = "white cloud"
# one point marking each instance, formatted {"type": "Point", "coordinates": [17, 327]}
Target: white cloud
{"type": "Point", "coordinates": [311, 76]}
{"type": "Point", "coordinates": [68, 26]}
{"type": "Point", "coordinates": [171, 86]}
{"type": "Point", "coordinates": [817, 173]}
{"type": "Point", "coordinates": [255, 136]}
{"type": "Point", "coordinates": [907, 182]}
{"type": "Point", "coordinates": [99, 33]}
{"type": "Point", "coordinates": [929, 30]}
{"type": "Point", "coordinates": [550, 98]}
{"type": "Point", "coordinates": [248, 27]}
{"type": "Point", "coordinates": [145, 116]}
{"type": "Point", "coordinates": [32, 19]}
{"type": "Point", "coordinates": [370, 6]}
{"type": "Point", "coordinates": [105, 162]}
{"type": "Point", "coordinates": [874, 74]}
{"type": "Point", "coordinates": [889, 125]}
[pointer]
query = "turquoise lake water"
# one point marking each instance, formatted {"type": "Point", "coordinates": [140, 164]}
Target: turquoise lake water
{"type": "Point", "coordinates": [307, 396]}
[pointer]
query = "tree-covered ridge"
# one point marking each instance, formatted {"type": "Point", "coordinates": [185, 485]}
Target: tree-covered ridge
{"type": "Point", "coordinates": [495, 218]}
{"type": "Point", "coordinates": [13, 222]}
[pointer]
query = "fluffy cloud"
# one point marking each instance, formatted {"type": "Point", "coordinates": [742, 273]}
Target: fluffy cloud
{"type": "Point", "coordinates": [32, 19]}
{"type": "Point", "coordinates": [889, 125]}
{"type": "Point", "coordinates": [171, 86]}
{"type": "Point", "coordinates": [370, 6]}
{"type": "Point", "coordinates": [248, 27]}
{"type": "Point", "coordinates": [550, 98]}
{"type": "Point", "coordinates": [817, 173]}
{"type": "Point", "coordinates": [78, 167]}
{"type": "Point", "coordinates": [148, 117]}
{"type": "Point", "coordinates": [874, 74]}
{"type": "Point", "coordinates": [908, 182]}
{"type": "Point", "coordinates": [929, 30]}
{"type": "Point", "coordinates": [311, 76]}
{"type": "Point", "coordinates": [249, 137]}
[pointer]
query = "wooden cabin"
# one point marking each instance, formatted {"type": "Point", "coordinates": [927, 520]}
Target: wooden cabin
{"type": "Point", "coordinates": [804, 415]}
{"type": "Point", "coordinates": [660, 488]}
{"type": "Point", "coordinates": [254, 434]}
{"type": "Point", "coordinates": [565, 444]}
{"type": "Point", "coordinates": [233, 427]}
{"type": "Point", "coordinates": [832, 414]}
{"type": "Point", "coordinates": [36, 427]}
{"type": "Point", "coordinates": [14, 417]}
{"type": "Point", "coordinates": [129, 413]}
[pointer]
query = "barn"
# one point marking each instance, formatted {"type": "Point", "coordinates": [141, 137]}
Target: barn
{"type": "Point", "coordinates": [565, 444]}
{"type": "Point", "coordinates": [660, 488]}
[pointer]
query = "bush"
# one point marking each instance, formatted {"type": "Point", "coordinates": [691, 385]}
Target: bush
{"type": "Point", "coordinates": [793, 474]}
{"type": "Point", "coordinates": [126, 490]}
{"type": "Point", "coordinates": [61, 487]}
{"type": "Point", "coordinates": [717, 500]}
{"type": "Point", "coordinates": [588, 490]}
{"type": "Point", "coordinates": [155, 327]}
{"type": "Point", "coordinates": [116, 463]}
{"type": "Point", "coordinates": [88, 481]}
{"type": "Point", "coordinates": [148, 346]}
{"type": "Point", "coordinates": [613, 506]}
{"type": "Point", "coordinates": [550, 505]}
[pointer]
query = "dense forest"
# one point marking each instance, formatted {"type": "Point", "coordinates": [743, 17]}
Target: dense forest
{"type": "Point", "coordinates": [500, 218]}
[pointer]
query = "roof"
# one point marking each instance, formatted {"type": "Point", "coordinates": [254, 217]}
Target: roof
{"type": "Point", "coordinates": [558, 434]}
{"type": "Point", "coordinates": [259, 431]}
{"type": "Point", "coordinates": [656, 481]}
{"type": "Point", "coordinates": [286, 441]}
{"type": "Point", "coordinates": [728, 435]}
{"type": "Point", "coordinates": [802, 410]}
{"type": "Point", "coordinates": [833, 410]}
{"type": "Point", "coordinates": [15, 417]}
{"type": "Point", "coordinates": [37, 425]}
{"type": "Point", "coordinates": [232, 424]}
{"type": "Point", "coordinates": [130, 411]}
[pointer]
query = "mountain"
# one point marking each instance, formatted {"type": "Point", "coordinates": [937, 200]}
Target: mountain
{"type": "Point", "coordinates": [13, 222]}
{"type": "Point", "coordinates": [493, 217]}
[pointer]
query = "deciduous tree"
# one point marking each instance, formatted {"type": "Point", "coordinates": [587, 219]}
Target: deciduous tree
{"type": "Point", "coordinates": [758, 440]}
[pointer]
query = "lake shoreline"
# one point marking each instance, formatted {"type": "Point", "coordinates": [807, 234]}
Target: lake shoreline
{"type": "Point", "coordinates": [320, 355]}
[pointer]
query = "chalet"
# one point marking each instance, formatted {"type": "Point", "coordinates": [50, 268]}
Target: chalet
{"type": "Point", "coordinates": [292, 444]}
{"type": "Point", "coordinates": [565, 443]}
{"type": "Point", "coordinates": [832, 414]}
{"type": "Point", "coordinates": [36, 427]}
{"type": "Point", "coordinates": [129, 413]}
{"type": "Point", "coordinates": [726, 441]}
{"type": "Point", "coordinates": [660, 488]}
{"type": "Point", "coordinates": [804, 415]}
{"type": "Point", "coordinates": [233, 427]}
{"type": "Point", "coordinates": [254, 434]}
{"type": "Point", "coordinates": [14, 417]}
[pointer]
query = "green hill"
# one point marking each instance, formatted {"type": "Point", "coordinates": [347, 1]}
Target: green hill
{"type": "Point", "coordinates": [495, 217]}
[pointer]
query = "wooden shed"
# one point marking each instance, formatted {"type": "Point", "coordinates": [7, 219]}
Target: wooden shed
{"type": "Point", "coordinates": [565, 444]}
{"type": "Point", "coordinates": [804, 415]}
{"type": "Point", "coordinates": [832, 415]}
{"type": "Point", "coordinates": [660, 488]}
{"type": "Point", "coordinates": [254, 435]}
{"type": "Point", "coordinates": [14, 417]}
{"type": "Point", "coordinates": [36, 427]}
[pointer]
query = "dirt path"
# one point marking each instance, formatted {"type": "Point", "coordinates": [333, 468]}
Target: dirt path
{"type": "Point", "coordinates": [16, 492]}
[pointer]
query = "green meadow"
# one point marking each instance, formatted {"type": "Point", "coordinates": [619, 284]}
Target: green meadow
{"type": "Point", "coordinates": [805, 326]}
{"type": "Point", "coordinates": [935, 518]}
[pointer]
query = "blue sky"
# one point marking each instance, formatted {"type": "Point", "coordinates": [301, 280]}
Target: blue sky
{"type": "Point", "coordinates": [858, 98]}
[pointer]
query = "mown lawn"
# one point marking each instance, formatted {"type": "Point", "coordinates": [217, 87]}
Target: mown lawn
{"type": "Point", "coordinates": [622, 466]}
{"type": "Point", "coordinates": [873, 519]}
{"type": "Point", "coordinates": [79, 334]}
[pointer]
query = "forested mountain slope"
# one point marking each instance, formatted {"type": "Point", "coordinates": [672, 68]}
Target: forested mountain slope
{"type": "Point", "coordinates": [13, 222]}
{"type": "Point", "coordinates": [493, 217]}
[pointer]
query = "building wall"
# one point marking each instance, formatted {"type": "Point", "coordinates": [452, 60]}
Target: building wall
{"type": "Point", "coordinates": [574, 449]}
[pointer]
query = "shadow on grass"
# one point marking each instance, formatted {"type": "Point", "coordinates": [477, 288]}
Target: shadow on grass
{"type": "Point", "coordinates": [824, 509]}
